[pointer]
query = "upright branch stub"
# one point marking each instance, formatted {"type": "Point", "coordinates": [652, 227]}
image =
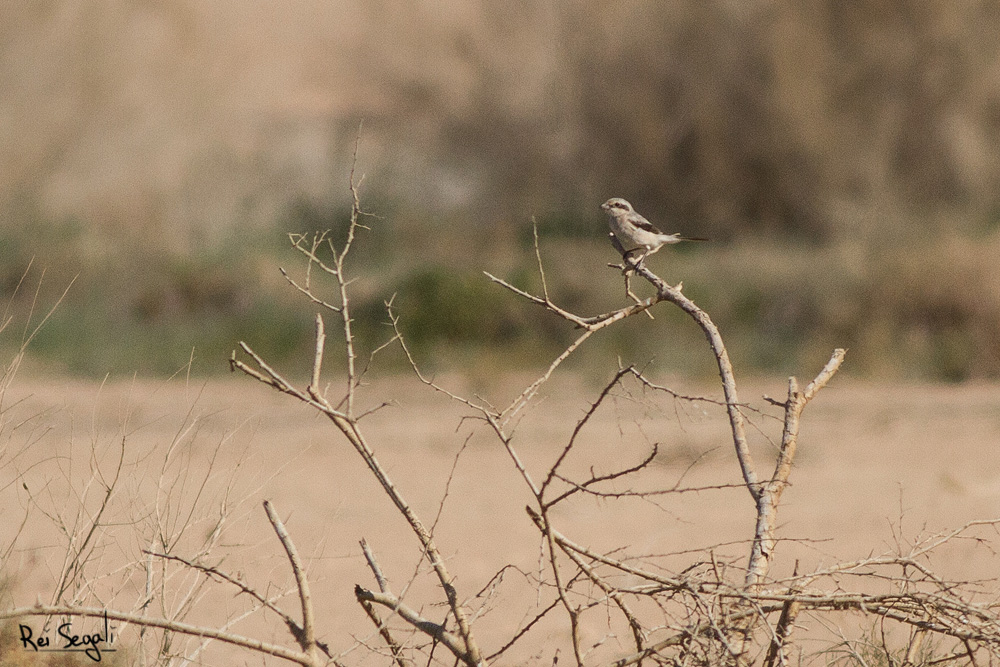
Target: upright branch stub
{"type": "Point", "coordinates": [770, 493]}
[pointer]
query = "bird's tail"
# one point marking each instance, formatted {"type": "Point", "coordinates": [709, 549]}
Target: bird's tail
{"type": "Point", "coordinates": [692, 238]}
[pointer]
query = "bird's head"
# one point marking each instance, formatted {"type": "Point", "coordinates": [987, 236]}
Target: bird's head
{"type": "Point", "coordinates": [616, 205]}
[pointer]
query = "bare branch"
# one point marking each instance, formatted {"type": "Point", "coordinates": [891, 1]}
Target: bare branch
{"type": "Point", "coordinates": [308, 293]}
{"type": "Point", "coordinates": [307, 640]}
{"type": "Point", "coordinates": [273, 379]}
{"type": "Point", "coordinates": [523, 631]}
{"type": "Point", "coordinates": [675, 296]}
{"type": "Point", "coordinates": [521, 401]}
{"type": "Point", "coordinates": [596, 479]}
{"type": "Point", "coordinates": [394, 646]}
{"type": "Point", "coordinates": [313, 388]}
{"type": "Point", "coordinates": [383, 585]}
{"type": "Point", "coordinates": [538, 256]}
{"type": "Point", "coordinates": [579, 426]}
{"type": "Point", "coordinates": [209, 571]}
{"type": "Point", "coordinates": [777, 652]}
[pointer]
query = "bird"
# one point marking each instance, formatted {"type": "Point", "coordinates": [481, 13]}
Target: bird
{"type": "Point", "coordinates": [635, 233]}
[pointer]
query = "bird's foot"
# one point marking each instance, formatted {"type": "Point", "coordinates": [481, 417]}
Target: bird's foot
{"type": "Point", "coordinates": [633, 260]}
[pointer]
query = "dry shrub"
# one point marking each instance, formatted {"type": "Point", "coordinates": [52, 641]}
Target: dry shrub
{"type": "Point", "coordinates": [609, 603]}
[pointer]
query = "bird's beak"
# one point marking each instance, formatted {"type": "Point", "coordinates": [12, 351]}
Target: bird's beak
{"type": "Point", "coordinates": [604, 206]}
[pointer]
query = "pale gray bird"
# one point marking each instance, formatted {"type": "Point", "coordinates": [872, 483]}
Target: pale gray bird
{"type": "Point", "coordinates": [635, 233]}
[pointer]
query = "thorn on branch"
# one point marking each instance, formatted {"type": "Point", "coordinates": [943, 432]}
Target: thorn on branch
{"type": "Point", "coordinates": [777, 404]}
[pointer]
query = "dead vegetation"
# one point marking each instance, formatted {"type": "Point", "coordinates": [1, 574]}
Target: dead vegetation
{"type": "Point", "coordinates": [615, 605]}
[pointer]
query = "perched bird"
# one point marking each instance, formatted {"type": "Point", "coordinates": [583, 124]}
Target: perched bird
{"type": "Point", "coordinates": [637, 235]}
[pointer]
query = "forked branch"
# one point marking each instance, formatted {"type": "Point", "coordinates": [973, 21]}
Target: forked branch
{"type": "Point", "coordinates": [347, 422]}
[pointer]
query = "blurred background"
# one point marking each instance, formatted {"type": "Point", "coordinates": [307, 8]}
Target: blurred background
{"type": "Point", "coordinates": [842, 156]}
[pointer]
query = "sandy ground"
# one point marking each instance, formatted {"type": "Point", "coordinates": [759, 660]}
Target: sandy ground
{"type": "Point", "coordinates": [878, 466]}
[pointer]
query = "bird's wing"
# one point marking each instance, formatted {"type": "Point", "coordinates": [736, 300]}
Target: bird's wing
{"type": "Point", "coordinates": [644, 224]}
